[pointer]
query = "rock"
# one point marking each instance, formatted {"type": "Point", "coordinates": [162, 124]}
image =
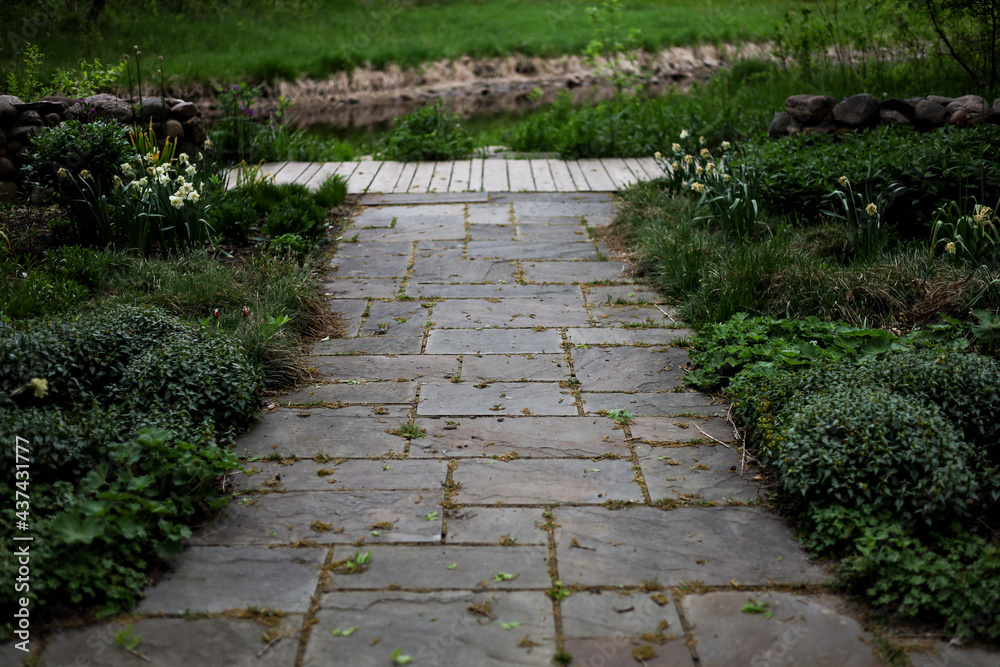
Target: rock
{"type": "Point", "coordinates": [857, 111]}
{"type": "Point", "coordinates": [809, 109]}
{"type": "Point", "coordinates": [8, 192]}
{"type": "Point", "coordinates": [101, 107]}
{"type": "Point", "coordinates": [152, 108]}
{"type": "Point", "coordinates": [42, 107]}
{"type": "Point", "coordinates": [184, 111]}
{"type": "Point", "coordinates": [23, 134]}
{"type": "Point", "coordinates": [185, 146]}
{"type": "Point", "coordinates": [8, 113]}
{"type": "Point", "coordinates": [174, 129]}
{"type": "Point", "coordinates": [52, 119]}
{"type": "Point", "coordinates": [929, 114]}
{"type": "Point", "coordinates": [7, 168]}
{"type": "Point", "coordinates": [3, 144]}
{"type": "Point", "coordinates": [943, 101]}
{"type": "Point", "coordinates": [974, 106]}
{"type": "Point", "coordinates": [30, 118]}
{"type": "Point", "coordinates": [195, 132]}
{"type": "Point", "coordinates": [994, 115]}
{"type": "Point", "coordinates": [904, 107]}
{"type": "Point", "coordinates": [958, 118]}
{"type": "Point", "coordinates": [893, 117]}
{"type": "Point", "coordinates": [779, 124]}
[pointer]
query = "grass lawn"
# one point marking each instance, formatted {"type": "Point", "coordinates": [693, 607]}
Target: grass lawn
{"type": "Point", "coordinates": [330, 35]}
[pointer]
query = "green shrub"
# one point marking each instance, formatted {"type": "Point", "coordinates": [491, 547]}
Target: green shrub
{"type": "Point", "coordinates": [867, 447]}
{"type": "Point", "coordinates": [234, 216]}
{"type": "Point", "coordinates": [91, 268]}
{"type": "Point", "coordinates": [38, 294]}
{"type": "Point", "coordinates": [332, 192]}
{"type": "Point", "coordinates": [290, 244]}
{"type": "Point", "coordinates": [267, 196]}
{"type": "Point", "coordinates": [428, 134]}
{"type": "Point", "coordinates": [296, 214]}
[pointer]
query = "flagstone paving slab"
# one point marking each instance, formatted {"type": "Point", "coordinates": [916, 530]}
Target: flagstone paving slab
{"type": "Point", "coordinates": [427, 567]}
{"type": "Point", "coordinates": [351, 312]}
{"type": "Point", "coordinates": [499, 291]}
{"type": "Point", "coordinates": [309, 433]}
{"type": "Point", "coordinates": [574, 272]}
{"type": "Point", "coordinates": [395, 318]}
{"type": "Point", "coordinates": [531, 250]}
{"type": "Point", "coordinates": [544, 481]}
{"type": "Point", "coordinates": [452, 268]}
{"type": "Point", "coordinates": [711, 472]}
{"type": "Point", "coordinates": [629, 368]}
{"type": "Point", "coordinates": [625, 316]}
{"type": "Point", "coordinates": [528, 437]}
{"type": "Point", "coordinates": [366, 393]}
{"type": "Point", "coordinates": [490, 214]}
{"type": "Point", "coordinates": [167, 642]}
{"type": "Point", "coordinates": [509, 313]}
{"type": "Point", "coordinates": [495, 525]}
{"type": "Point", "coordinates": [714, 545]}
{"type": "Point", "coordinates": [680, 429]}
{"type": "Point", "coordinates": [384, 215]}
{"type": "Point", "coordinates": [373, 248]}
{"type": "Point", "coordinates": [515, 367]}
{"type": "Point", "coordinates": [552, 233]}
{"type": "Point", "coordinates": [499, 398]}
{"type": "Point", "coordinates": [406, 367]}
{"type": "Point", "coordinates": [431, 232]}
{"type": "Point", "coordinates": [612, 295]}
{"type": "Point", "coordinates": [619, 613]}
{"type": "Point", "coordinates": [360, 288]}
{"type": "Point", "coordinates": [618, 650]}
{"type": "Point", "coordinates": [487, 232]}
{"type": "Point", "coordinates": [609, 336]}
{"type": "Point", "coordinates": [434, 629]}
{"type": "Point", "coordinates": [799, 630]}
{"type": "Point", "coordinates": [492, 341]}
{"type": "Point", "coordinates": [342, 475]}
{"type": "Point", "coordinates": [654, 404]}
{"type": "Point", "coordinates": [369, 345]}
{"type": "Point", "coordinates": [946, 654]}
{"type": "Point", "coordinates": [369, 267]}
{"type": "Point", "coordinates": [214, 579]}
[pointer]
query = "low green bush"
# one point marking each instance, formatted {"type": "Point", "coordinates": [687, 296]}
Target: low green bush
{"type": "Point", "coordinates": [234, 216]}
{"type": "Point", "coordinates": [35, 293]}
{"type": "Point", "coordinates": [428, 134]}
{"type": "Point", "coordinates": [296, 214]}
{"type": "Point", "coordinates": [332, 192]}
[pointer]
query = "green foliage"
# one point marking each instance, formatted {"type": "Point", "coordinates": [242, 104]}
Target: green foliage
{"type": "Point", "coordinates": [296, 214]}
{"type": "Point", "coordinates": [234, 216]}
{"type": "Point", "coordinates": [37, 294]}
{"type": "Point", "coordinates": [234, 134]}
{"type": "Point", "coordinates": [87, 78]}
{"type": "Point", "coordinates": [290, 244]}
{"type": "Point", "coordinates": [332, 192]}
{"type": "Point", "coordinates": [973, 237]}
{"type": "Point", "coordinates": [428, 134]}
{"type": "Point", "coordinates": [25, 84]}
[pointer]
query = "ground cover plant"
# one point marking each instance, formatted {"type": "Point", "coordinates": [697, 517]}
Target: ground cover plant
{"type": "Point", "coordinates": [129, 365]}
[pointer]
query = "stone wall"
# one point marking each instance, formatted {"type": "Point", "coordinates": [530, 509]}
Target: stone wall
{"type": "Point", "coordinates": [824, 114]}
{"type": "Point", "coordinates": [19, 121]}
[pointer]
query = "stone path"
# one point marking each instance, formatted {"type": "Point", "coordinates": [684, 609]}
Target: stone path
{"type": "Point", "coordinates": [457, 491]}
{"type": "Point", "coordinates": [476, 175]}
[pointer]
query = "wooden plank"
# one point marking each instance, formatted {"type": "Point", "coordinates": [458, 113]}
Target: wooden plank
{"type": "Point", "coordinates": [651, 167]}
{"type": "Point", "coordinates": [495, 176]}
{"type": "Point", "coordinates": [542, 176]}
{"type": "Point", "coordinates": [344, 171]}
{"type": "Point", "coordinates": [325, 170]}
{"type": "Point", "coordinates": [362, 177]}
{"type": "Point", "coordinates": [637, 171]}
{"type": "Point", "coordinates": [422, 177]}
{"type": "Point", "coordinates": [460, 176]}
{"type": "Point", "coordinates": [271, 168]}
{"type": "Point", "coordinates": [619, 172]}
{"type": "Point", "coordinates": [519, 176]}
{"type": "Point", "coordinates": [405, 178]}
{"type": "Point", "coordinates": [441, 176]}
{"type": "Point", "coordinates": [561, 176]}
{"type": "Point", "coordinates": [476, 175]}
{"type": "Point", "coordinates": [597, 176]}
{"type": "Point", "coordinates": [309, 172]}
{"type": "Point", "coordinates": [579, 177]}
{"type": "Point", "coordinates": [290, 172]}
{"type": "Point", "coordinates": [386, 177]}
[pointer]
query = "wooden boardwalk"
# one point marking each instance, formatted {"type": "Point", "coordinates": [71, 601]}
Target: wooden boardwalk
{"type": "Point", "coordinates": [476, 175]}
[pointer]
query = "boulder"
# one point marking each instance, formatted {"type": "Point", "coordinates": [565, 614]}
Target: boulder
{"type": "Point", "coordinates": [42, 107]}
{"type": "Point", "coordinates": [174, 129]}
{"type": "Point", "coordinates": [974, 107]}
{"type": "Point", "coordinates": [52, 119]}
{"type": "Point", "coordinates": [905, 107]}
{"type": "Point", "coordinates": [929, 114]}
{"type": "Point", "coordinates": [7, 168]}
{"type": "Point", "coordinates": [3, 144]}
{"type": "Point", "coordinates": [994, 115]}
{"type": "Point", "coordinates": [184, 111]}
{"type": "Point", "coordinates": [101, 107]}
{"type": "Point", "coordinates": [943, 101]}
{"type": "Point", "coordinates": [30, 117]}
{"type": "Point", "coordinates": [958, 118]}
{"type": "Point", "coordinates": [153, 108]}
{"type": "Point", "coordinates": [8, 192]}
{"type": "Point", "coordinates": [779, 124]}
{"type": "Point", "coordinates": [8, 112]}
{"type": "Point", "coordinates": [22, 135]}
{"type": "Point", "coordinates": [857, 111]}
{"type": "Point", "coordinates": [809, 109]}
{"type": "Point", "coordinates": [893, 117]}
{"type": "Point", "coordinates": [195, 131]}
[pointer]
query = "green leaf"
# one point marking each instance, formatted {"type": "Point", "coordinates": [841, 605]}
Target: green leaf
{"type": "Point", "coordinates": [511, 625]}
{"type": "Point", "coordinates": [72, 528]}
{"type": "Point", "coordinates": [398, 658]}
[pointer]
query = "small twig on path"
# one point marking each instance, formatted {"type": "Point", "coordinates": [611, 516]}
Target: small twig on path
{"type": "Point", "coordinates": [657, 306]}
{"type": "Point", "coordinates": [138, 655]}
{"type": "Point", "coordinates": [268, 645]}
{"type": "Point", "coordinates": [708, 436]}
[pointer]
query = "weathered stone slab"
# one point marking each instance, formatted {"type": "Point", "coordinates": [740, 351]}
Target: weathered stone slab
{"type": "Point", "coordinates": [510, 313]}
{"type": "Point", "coordinates": [714, 545]}
{"type": "Point", "coordinates": [654, 405]}
{"type": "Point", "coordinates": [618, 650]}
{"type": "Point", "coordinates": [490, 214]}
{"type": "Point", "coordinates": [424, 198]}
{"type": "Point", "coordinates": [528, 437]}
{"type": "Point", "coordinates": [575, 272]}
{"type": "Point", "coordinates": [497, 525]}
{"type": "Point", "coordinates": [429, 232]}
{"type": "Point", "coordinates": [449, 267]}
{"type": "Point", "coordinates": [372, 248]}
{"type": "Point", "coordinates": [426, 567]}
{"type": "Point", "coordinates": [322, 432]}
{"type": "Point", "coordinates": [680, 429]}
{"type": "Point", "coordinates": [369, 267]}
{"type": "Point", "coordinates": [594, 212]}
{"type": "Point", "coordinates": [341, 517]}
{"type": "Point", "coordinates": [357, 288]}
{"type": "Point", "coordinates": [364, 393]}
{"type": "Point", "coordinates": [433, 628]}
{"type": "Point", "coordinates": [350, 311]}
{"type": "Point", "coordinates": [607, 336]}
{"type": "Point", "coordinates": [405, 367]}
{"type": "Point", "coordinates": [946, 654]}
{"type": "Point", "coordinates": [177, 642]}
{"type": "Point", "coordinates": [613, 613]}
{"type": "Point", "coordinates": [214, 579]}
{"type": "Point", "coordinates": [629, 368]}
{"type": "Point", "coordinates": [487, 232]}
{"type": "Point", "coordinates": [501, 398]}
{"type": "Point", "coordinates": [515, 367]}
{"type": "Point", "coordinates": [384, 216]}
{"type": "Point", "coordinates": [622, 295]}
{"type": "Point", "coordinates": [552, 232]}
{"type": "Point", "coordinates": [11, 655]}
{"type": "Point", "coordinates": [800, 630]}
{"type": "Point", "coordinates": [500, 291]}
{"type": "Point", "coordinates": [544, 250]}
{"type": "Point", "coordinates": [492, 341]}
{"type": "Point", "coordinates": [537, 221]}
{"type": "Point", "coordinates": [710, 472]}
{"type": "Point", "coordinates": [367, 345]}
{"type": "Point", "coordinates": [625, 316]}
{"type": "Point", "coordinates": [544, 481]}
{"type": "Point", "coordinates": [395, 318]}
{"type": "Point", "coordinates": [340, 475]}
